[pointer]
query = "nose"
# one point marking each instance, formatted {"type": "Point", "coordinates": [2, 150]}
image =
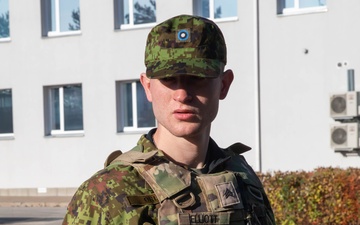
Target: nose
{"type": "Point", "coordinates": [182, 95]}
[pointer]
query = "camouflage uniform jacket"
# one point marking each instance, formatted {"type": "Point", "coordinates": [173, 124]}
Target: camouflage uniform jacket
{"type": "Point", "coordinates": [118, 194]}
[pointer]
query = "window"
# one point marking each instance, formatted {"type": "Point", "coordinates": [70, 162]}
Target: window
{"type": "Point", "coordinates": [60, 17]}
{"type": "Point", "coordinates": [6, 115]}
{"type": "Point", "coordinates": [130, 13]}
{"type": "Point", "coordinates": [287, 7]}
{"type": "Point", "coordinates": [4, 20]}
{"type": "Point", "coordinates": [63, 110]}
{"type": "Point", "coordinates": [134, 111]}
{"type": "Point", "coordinates": [216, 9]}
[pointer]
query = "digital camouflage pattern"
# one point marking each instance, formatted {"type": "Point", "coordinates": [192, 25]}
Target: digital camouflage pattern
{"type": "Point", "coordinates": [185, 45]}
{"type": "Point", "coordinates": [102, 198]}
{"type": "Point", "coordinates": [228, 193]}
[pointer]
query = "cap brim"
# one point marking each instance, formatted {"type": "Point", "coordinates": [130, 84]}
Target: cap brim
{"type": "Point", "coordinates": [207, 68]}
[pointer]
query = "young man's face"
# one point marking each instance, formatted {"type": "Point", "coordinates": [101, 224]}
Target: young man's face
{"type": "Point", "coordinates": [186, 105]}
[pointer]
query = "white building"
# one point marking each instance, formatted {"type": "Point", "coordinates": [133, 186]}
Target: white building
{"type": "Point", "coordinates": [287, 59]}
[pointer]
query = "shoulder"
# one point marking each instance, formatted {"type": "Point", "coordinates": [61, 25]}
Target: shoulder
{"type": "Point", "coordinates": [103, 195]}
{"type": "Point", "coordinates": [238, 164]}
{"type": "Point", "coordinates": [113, 180]}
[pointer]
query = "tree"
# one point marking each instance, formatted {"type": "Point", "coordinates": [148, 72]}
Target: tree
{"type": "Point", "coordinates": [4, 25]}
{"type": "Point", "coordinates": [218, 12]}
{"type": "Point", "coordinates": [76, 20]}
{"type": "Point", "coordinates": [145, 14]}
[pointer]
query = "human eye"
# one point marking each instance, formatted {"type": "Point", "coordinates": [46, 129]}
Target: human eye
{"type": "Point", "coordinates": [198, 78]}
{"type": "Point", "coordinates": [167, 79]}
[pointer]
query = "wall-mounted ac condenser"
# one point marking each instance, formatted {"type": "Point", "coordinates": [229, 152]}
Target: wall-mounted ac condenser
{"type": "Point", "coordinates": [345, 136]}
{"type": "Point", "coordinates": [345, 105]}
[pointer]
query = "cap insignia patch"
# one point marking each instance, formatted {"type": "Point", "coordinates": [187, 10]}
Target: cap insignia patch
{"type": "Point", "coordinates": [183, 35]}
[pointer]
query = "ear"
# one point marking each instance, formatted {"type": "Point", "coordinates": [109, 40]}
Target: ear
{"type": "Point", "coordinates": [145, 81]}
{"type": "Point", "coordinates": [226, 79]}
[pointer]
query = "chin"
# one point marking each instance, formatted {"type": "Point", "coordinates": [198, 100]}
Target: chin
{"type": "Point", "coordinates": [188, 132]}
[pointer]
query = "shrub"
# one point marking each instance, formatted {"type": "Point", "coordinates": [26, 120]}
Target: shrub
{"type": "Point", "coordinates": [323, 196]}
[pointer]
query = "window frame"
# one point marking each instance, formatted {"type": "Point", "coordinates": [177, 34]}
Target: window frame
{"type": "Point", "coordinates": [118, 13]}
{"type": "Point", "coordinates": [120, 102]}
{"type": "Point", "coordinates": [46, 20]}
{"type": "Point", "coordinates": [6, 136]}
{"type": "Point", "coordinates": [196, 11]}
{"type": "Point", "coordinates": [48, 112]}
{"type": "Point", "coordinates": [282, 10]}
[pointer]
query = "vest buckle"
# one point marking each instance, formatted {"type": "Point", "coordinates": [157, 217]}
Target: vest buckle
{"type": "Point", "coordinates": [186, 203]}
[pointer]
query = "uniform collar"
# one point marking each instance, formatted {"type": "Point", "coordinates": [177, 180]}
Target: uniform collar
{"type": "Point", "coordinates": [216, 156]}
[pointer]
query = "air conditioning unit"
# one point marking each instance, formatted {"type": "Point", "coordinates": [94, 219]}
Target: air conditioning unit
{"type": "Point", "coordinates": [345, 105]}
{"type": "Point", "coordinates": [345, 136]}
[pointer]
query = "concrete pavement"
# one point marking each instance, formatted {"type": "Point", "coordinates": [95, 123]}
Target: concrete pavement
{"type": "Point", "coordinates": [26, 210]}
{"type": "Point", "coordinates": [32, 215]}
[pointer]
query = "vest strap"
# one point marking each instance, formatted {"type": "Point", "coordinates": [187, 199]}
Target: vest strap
{"type": "Point", "coordinates": [165, 179]}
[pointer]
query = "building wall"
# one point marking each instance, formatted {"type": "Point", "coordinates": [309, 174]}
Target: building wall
{"type": "Point", "coordinates": [294, 87]}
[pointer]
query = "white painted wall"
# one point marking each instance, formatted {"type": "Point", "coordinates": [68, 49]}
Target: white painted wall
{"type": "Point", "coordinates": [296, 86]}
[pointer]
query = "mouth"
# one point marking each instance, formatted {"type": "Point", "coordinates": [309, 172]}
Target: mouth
{"type": "Point", "coordinates": [184, 114]}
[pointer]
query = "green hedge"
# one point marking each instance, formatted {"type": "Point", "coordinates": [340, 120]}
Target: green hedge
{"type": "Point", "coordinates": [323, 196]}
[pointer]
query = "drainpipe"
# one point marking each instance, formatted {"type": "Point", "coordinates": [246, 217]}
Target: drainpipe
{"type": "Point", "coordinates": [351, 80]}
{"type": "Point", "coordinates": [258, 157]}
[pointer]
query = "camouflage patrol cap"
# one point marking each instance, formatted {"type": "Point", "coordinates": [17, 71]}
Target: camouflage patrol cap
{"type": "Point", "coordinates": [185, 45]}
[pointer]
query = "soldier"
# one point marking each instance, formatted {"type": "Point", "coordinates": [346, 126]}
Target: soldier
{"type": "Point", "coordinates": [177, 174]}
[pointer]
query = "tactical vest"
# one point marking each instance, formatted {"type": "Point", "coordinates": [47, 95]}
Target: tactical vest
{"type": "Point", "coordinates": [187, 198]}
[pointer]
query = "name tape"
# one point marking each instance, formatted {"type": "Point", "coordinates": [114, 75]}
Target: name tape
{"type": "Point", "coordinates": [142, 199]}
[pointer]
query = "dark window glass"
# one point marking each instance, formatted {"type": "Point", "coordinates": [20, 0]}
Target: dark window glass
{"type": "Point", "coordinates": [6, 115]}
